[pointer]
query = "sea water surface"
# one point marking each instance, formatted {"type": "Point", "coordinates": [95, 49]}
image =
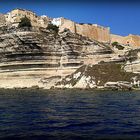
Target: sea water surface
{"type": "Point", "coordinates": [69, 114]}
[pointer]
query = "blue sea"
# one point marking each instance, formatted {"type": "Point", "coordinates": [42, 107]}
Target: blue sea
{"type": "Point", "coordinates": [69, 114]}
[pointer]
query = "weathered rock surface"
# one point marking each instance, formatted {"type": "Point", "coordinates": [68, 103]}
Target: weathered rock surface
{"type": "Point", "coordinates": [41, 58]}
{"type": "Point", "coordinates": [133, 61]}
{"type": "Point", "coordinates": [107, 75]}
{"type": "Point", "coordinates": [27, 56]}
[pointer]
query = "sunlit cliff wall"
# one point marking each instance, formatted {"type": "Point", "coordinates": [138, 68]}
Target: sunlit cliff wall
{"type": "Point", "coordinates": [2, 20]}
{"type": "Point", "coordinates": [92, 31]}
{"type": "Point", "coordinates": [130, 40]}
{"type": "Point", "coordinates": [96, 32]}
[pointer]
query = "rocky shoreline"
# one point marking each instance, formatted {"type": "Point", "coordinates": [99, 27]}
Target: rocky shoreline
{"type": "Point", "coordinates": [68, 89]}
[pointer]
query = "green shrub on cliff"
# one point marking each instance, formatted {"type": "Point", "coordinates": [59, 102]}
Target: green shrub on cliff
{"type": "Point", "coordinates": [53, 28]}
{"type": "Point", "coordinates": [25, 22]}
{"type": "Point", "coordinates": [117, 45]}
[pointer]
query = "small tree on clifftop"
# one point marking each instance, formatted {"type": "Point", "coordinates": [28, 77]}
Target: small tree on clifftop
{"type": "Point", "coordinates": [117, 45]}
{"type": "Point", "coordinates": [25, 22]}
{"type": "Point", "coordinates": [53, 28]}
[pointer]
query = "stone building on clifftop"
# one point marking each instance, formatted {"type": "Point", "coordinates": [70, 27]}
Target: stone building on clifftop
{"type": "Point", "coordinates": [92, 31]}
{"type": "Point", "coordinates": [14, 17]}
{"type": "Point", "coordinates": [2, 20]}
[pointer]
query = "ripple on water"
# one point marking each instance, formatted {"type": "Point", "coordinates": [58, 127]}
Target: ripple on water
{"type": "Point", "coordinates": [69, 114]}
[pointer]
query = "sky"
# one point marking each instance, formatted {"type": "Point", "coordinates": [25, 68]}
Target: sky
{"type": "Point", "coordinates": [122, 16]}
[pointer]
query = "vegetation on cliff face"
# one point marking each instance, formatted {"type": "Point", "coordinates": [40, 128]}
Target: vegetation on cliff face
{"type": "Point", "coordinates": [117, 45]}
{"type": "Point", "coordinates": [53, 28]}
{"type": "Point", "coordinates": [25, 22]}
{"type": "Point", "coordinates": [99, 75]}
{"type": "Point", "coordinates": [106, 72]}
{"type": "Point", "coordinates": [132, 55]}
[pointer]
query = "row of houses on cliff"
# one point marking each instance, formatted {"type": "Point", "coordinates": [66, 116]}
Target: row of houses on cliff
{"type": "Point", "coordinates": [92, 31]}
{"type": "Point", "coordinates": [14, 17]}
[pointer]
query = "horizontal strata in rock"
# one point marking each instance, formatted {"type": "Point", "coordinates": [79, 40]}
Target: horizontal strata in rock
{"type": "Point", "coordinates": [41, 53]}
{"type": "Point", "coordinates": [45, 59]}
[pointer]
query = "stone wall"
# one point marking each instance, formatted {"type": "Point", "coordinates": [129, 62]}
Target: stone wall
{"type": "Point", "coordinates": [133, 40]}
{"type": "Point", "coordinates": [87, 30]}
{"type": "Point", "coordinates": [92, 31]}
{"type": "Point", "coordinates": [103, 33]}
{"type": "Point", "coordinates": [15, 16]}
{"type": "Point", "coordinates": [130, 40]}
{"type": "Point", "coordinates": [43, 21]}
{"type": "Point", "coordinates": [116, 38]}
{"type": "Point", "coordinates": [65, 23]}
{"type": "Point", "coordinates": [2, 20]}
{"type": "Point", "coordinates": [96, 32]}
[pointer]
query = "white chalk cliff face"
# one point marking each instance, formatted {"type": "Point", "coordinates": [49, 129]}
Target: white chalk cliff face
{"type": "Point", "coordinates": [40, 58]}
{"type": "Point", "coordinates": [30, 56]}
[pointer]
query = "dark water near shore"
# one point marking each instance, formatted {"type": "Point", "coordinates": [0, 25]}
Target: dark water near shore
{"type": "Point", "coordinates": [75, 114]}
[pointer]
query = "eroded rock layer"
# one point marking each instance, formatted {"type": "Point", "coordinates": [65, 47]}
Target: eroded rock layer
{"type": "Point", "coordinates": [106, 75]}
{"type": "Point", "coordinates": [28, 56]}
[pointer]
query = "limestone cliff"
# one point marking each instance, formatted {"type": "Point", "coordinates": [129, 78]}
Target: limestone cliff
{"type": "Point", "coordinates": [30, 55]}
{"type": "Point", "coordinates": [42, 58]}
{"type": "Point", "coordinates": [115, 75]}
{"type": "Point", "coordinates": [101, 76]}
